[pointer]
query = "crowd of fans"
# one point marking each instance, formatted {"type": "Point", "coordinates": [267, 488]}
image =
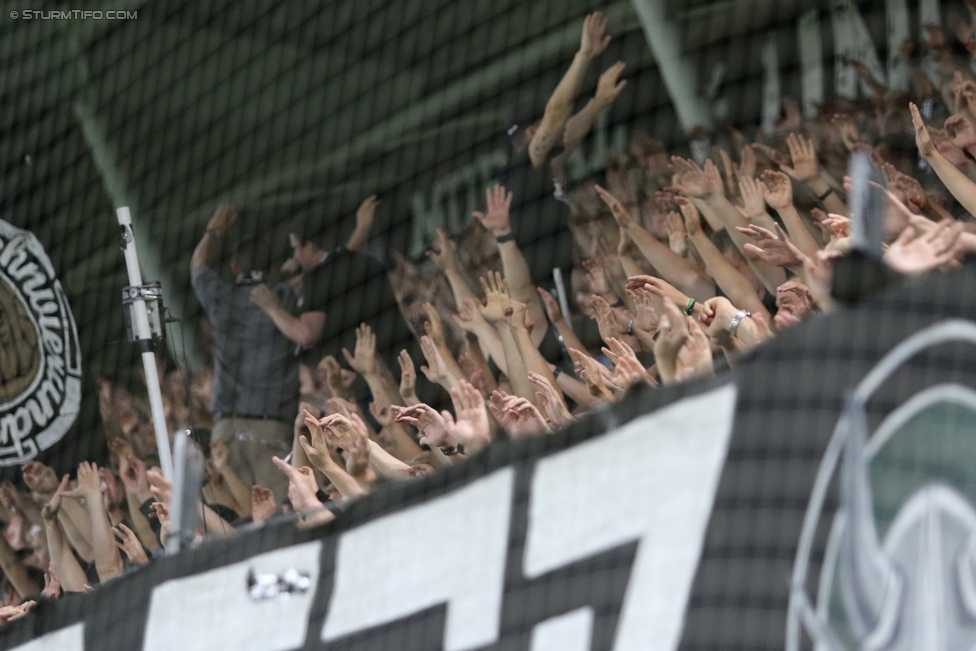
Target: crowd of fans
{"type": "Point", "coordinates": [681, 262]}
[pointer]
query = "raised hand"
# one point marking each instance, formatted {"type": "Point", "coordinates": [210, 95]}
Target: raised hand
{"type": "Point", "coordinates": [134, 476]}
{"type": "Point", "coordinates": [716, 315]}
{"type": "Point", "coordinates": [159, 486]}
{"type": "Point", "coordinates": [337, 378]}
{"type": "Point", "coordinates": [691, 180]}
{"type": "Point", "coordinates": [550, 400]}
{"type": "Point", "coordinates": [658, 287]}
{"type": "Point", "coordinates": [317, 450]}
{"type": "Point", "coordinates": [518, 416]}
{"type": "Point", "coordinates": [515, 314]}
{"type": "Point", "coordinates": [646, 318]}
{"type": "Point", "coordinates": [589, 371]}
{"type": "Point", "coordinates": [609, 85]}
{"type": "Point", "coordinates": [470, 425]}
{"type": "Point", "coordinates": [805, 166]}
{"type": "Point", "coordinates": [773, 247]}
{"type": "Point", "coordinates": [922, 136]}
{"type": "Point", "coordinates": [445, 253]}
{"type": "Point", "coordinates": [776, 189]}
{"type": "Point", "coordinates": [677, 235]}
{"type": "Point", "coordinates": [912, 255]}
{"type": "Point", "coordinates": [674, 334]}
{"type": "Point", "coordinates": [620, 213]}
{"type": "Point", "coordinates": [496, 219]}
{"type": "Point", "coordinates": [52, 583]}
{"type": "Point", "coordinates": [408, 377]}
{"type": "Point", "coordinates": [753, 204]}
{"type": "Point", "coordinates": [496, 296]}
{"type": "Point", "coordinates": [552, 307]}
{"type": "Point", "coordinates": [695, 357]}
{"type": "Point", "coordinates": [364, 361]}
{"type": "Point", "coordinates": [469, 317]}
{"type": "Point", "coordinates": [302, 488]}
{"type": "Point", "coordinates": [690, 214]}
{"type": "Point", "coordinates": [426, 419]}
{"type": "Point", "coordinates": [366, 212]}
{"type": "Point", "coordinates": [129, 543]}
{"type": "Point", "coordinates": [436, 368]}
{"type": "Point", "coordinates": [89, 483]}
{"type": "Point", "coordinates": [340, 428]}
{"type": "Point", "coordinates": [263, 503]}
{"type": "Point", "coordinates": [960, 131]}
{"type": "Point", "coordinates": [223, 218]}
{"type": "Point", "coordinates": [908, 186]}
{"type": "Point", "coordinates": [611, 322]}
{"type": "Point", "coordinates": [628, 367]}
{"type": "Point", "coordinates": [433, 325]}
{"type": "Point", "coordinates": [594, 39]}
{"type": "Point", "coordinates": [49, 510]}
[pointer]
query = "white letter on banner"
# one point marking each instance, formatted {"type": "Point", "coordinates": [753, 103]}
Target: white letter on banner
{"type": "Point", "coordinates": [67, 639]}
{"type": "Point", "coordinates": [569, 632]}
{"type": "Point", "coordinates": [378, 578]}
{"type": "Point", "coordinates": [214, 610]}
{"type": "Point", "coordinates": [654, 480]}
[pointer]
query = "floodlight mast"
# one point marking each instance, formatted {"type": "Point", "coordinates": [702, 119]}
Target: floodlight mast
{"type": "Point", "coordinates": [143, 336]}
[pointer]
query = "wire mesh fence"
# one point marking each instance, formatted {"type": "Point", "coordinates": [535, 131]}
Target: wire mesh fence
{"type": "Point", "coordinates": [487, 325]}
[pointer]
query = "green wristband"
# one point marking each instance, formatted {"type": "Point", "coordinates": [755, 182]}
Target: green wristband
{"type": "Point", "coordinates": [689, 307]}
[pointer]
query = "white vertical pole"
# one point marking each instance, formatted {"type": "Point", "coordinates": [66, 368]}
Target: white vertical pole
{"type": "Point", "coordinates": [557, 277]}
{"type": "Point", "coordinates": [142, 332]}
{"type": "Point", "coordinates": [772, 96]}
{"type": "Point", "coordinates": [811, 61]}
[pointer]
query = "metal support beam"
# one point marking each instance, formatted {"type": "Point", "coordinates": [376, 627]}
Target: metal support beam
{"type": "Point", "coordinates": [663, 37]}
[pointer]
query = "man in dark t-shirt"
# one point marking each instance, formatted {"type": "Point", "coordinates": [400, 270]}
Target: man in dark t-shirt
{"type": "Point", "coordinates": [352, 288]}
{"type": "Point", "coordinates": [339, 290]}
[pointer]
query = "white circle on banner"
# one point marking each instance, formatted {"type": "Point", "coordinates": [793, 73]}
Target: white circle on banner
{"type": "Point", "coordinates": [40, 359]}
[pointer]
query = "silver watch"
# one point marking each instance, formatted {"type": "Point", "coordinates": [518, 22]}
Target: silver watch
{"type": "Point", "coordinates": [736, 320]}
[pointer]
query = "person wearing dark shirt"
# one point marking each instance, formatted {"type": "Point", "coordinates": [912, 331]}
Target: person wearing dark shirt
{"type": "Point", "coordinates": [340, 288]}
{"type": "Point", "coordinates": [255, 386]}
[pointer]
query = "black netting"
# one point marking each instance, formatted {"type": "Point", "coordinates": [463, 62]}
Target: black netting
{"type": "Point", "coordinates": [652, 291]}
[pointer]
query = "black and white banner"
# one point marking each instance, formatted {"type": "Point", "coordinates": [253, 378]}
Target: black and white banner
{"type": "Point", "coordinates": [820, 495]}
{"type": "Point", "coordinates": [40, 359]}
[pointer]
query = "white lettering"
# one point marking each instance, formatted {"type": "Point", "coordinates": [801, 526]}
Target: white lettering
{"type": "Point", "coordinates": [656, 479]}
{"type": "Point", "coordinates": [214, 610]}
{"type": "Point", "coordinates": [377, 582]}
{"type": "Point", "coordinates": [67, 639]}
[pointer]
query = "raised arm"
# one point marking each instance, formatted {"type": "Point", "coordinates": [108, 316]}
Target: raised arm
{"type": "Point", "coordinates": [515, 269]}
{"type": "Point", "coordinates": [364, 224]}
{"type": "Point", "coordinates": [318, 453]}
{"type": "Point", "coordinates": [672, 267]}
{"type": "Point", "coordinates": [779, 195]}
{"type": "Point", "coordinates": [732, 282]}
{"type": "Point", "coordinates": [470, 319]}
{"type": "Point", "coordinates": [65, 563]}
{"type": "Point", "coordinates": [220, 453]}
{"type": "Point", "coordinates": [607, 91]}
{"type": "Point", "coordinates": [961, 187]}
{"type": "Point", "coordinates": [560, 105]}
{"type": "Point", "coordinates": [497, 298]}
{"type": "Point", "coordinates": [108, 561]}
{"type": "Point", "coordinates": [531, 357]}
{"type": "Point", "coordinates": [806, 169]}
{"type": "Point", "coordinates": [704, 188]}
{"type": "Point", "coordinates": [221, 221]}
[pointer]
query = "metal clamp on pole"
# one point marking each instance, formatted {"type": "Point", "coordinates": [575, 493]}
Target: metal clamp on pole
{"type": "Point", "coordinates": [140, 301]}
